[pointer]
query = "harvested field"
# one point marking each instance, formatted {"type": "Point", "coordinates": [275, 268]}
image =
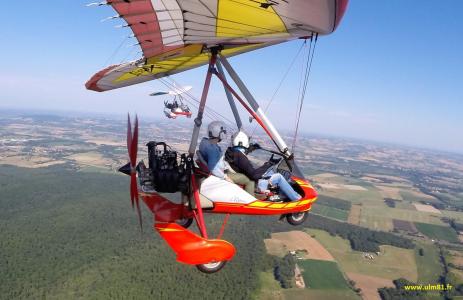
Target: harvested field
{"type": "Point", "coordinates": [90, 158]}
{"type": "Point", "coordinates": [387, 177]}
{"type": "Point", "coordinates": [457, 258]}
{"type": "Point", "coordinates": [283, 242]}
{"type": "Point", "coordinates": [32, 162]}
{"type": "Point", "coordinates": [389, 192]}
{"type": "Point", "coordinates": [325, 175]}
{"type": "Point", "coordinates": [404, 225]}
{"type": "Point", "coordinates": [426, 208]}
{"type": "Point", "coordinates": [369, 284]}
{"type": "Point", "coordinates": [354, 215]}
{"type": "Point", "coordinates": [336, 186]}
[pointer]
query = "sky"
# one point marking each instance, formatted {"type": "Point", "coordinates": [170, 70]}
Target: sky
{"type": "Point", "coordinates": [392, 72]}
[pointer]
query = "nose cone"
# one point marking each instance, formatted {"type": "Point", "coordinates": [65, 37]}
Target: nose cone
{"type": "Point", "coordinates": [310, 193]}
{"type": "Point", "coordinates": [125, 169]}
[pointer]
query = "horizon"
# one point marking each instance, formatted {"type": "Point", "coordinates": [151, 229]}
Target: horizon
{"type": "Point", "coordinates": [303, 133]}
{"type": "Point", "coordinates": [379, 77]}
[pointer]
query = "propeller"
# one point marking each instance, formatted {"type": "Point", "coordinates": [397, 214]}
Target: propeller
{"type": "Point", "coordinates": [130, 168]}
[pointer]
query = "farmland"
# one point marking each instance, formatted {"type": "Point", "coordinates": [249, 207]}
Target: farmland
{"type": "Point", "coordinates": [437, 232]}
{"type": "Point", "coordinates": [391, 263]}
{"type": "Point", "coordinates": [324, 275]}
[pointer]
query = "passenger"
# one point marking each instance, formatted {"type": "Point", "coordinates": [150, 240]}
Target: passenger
{"type": "Point", "coordinates": [236, 156]}
{"type": "Point", "coordinates": [212, 153]}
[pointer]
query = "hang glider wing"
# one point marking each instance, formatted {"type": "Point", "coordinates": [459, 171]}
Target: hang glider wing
{"type": "Point", "coordinates": [176, 35]}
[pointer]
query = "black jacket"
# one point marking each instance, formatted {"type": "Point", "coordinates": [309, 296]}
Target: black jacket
{"type": "Point", "coordinates": [241, 164]}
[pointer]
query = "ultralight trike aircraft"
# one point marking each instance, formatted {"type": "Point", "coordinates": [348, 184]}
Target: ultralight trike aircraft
{"type": "Point", "coordinates": [178, 35]}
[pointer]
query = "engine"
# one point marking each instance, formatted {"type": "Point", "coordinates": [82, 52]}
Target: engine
{"type": "Point", "coordinates": [167, 172]}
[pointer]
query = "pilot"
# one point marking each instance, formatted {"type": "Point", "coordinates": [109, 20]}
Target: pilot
{"type": "Point", "coordinates": [213, 155]}
{"type": "Point", "coordinates": [238, 160]}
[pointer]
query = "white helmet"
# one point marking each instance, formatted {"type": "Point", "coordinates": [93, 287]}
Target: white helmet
{"type": "Point", "coordinates": [216, 129]}
{"type": "Point", "coordinates": [240, 139]}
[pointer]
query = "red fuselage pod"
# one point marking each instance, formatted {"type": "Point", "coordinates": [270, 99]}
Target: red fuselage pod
{"type": "Point", "coordinates": [192, 249]}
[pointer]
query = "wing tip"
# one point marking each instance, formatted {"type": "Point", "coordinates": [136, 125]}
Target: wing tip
{"type": "Point", "coordinates": [92, 83]}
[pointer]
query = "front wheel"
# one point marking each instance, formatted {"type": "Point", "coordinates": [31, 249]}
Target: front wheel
{"type": "Point", "coordinates": [185, 222]}
{"type": "Point", "coordinates": [297, 218]}
{"type": "Point", "coordinates": [211, 267]}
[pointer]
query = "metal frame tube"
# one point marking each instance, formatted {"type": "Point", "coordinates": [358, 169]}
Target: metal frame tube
{"type": "Point", "coordinates": [239, 124]}
{"type": "Point", "coordinates": [199, 119]}
{"type": "Point", "coordinates": [268, 126]}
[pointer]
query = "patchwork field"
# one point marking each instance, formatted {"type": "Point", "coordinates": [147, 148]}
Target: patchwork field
{"type": "Point", "coordinates": [384, 212]}
{"type": "Point", "coordinates": [369, 285]}
{"type": "Point", "coordinates": [391, 263]}
{"type": "Point", "coordinates": [437, 232]}
{"type": "Point", "coordinates": [282, 242]}
{"type": "Point", "coordinates": [323, 275]}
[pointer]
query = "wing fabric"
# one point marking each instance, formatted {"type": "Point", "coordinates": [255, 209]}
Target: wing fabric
{"type": "Point", "coordinates": [175, 35]}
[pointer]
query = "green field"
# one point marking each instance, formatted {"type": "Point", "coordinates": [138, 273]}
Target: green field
{"type": "Point", "coordinates": [429, 266]}
{"type": "Point", "coordinates": [269, 287]}
{"type": "Point", "coordinates": [321, 274]}
{"type": "Point", "coordinates": [392, 262]}
{"type": "Point", "coordinates": [437, 232]}
{"type": "Point", "coordinates": [330, 212]}
{"type": "Point", "coordinates": [457, 215]}
{"type": "Point", "coordinates": [305, 294]}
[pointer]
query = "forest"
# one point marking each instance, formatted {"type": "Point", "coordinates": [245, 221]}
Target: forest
{"type": "Point", "coordinates": [399, 292]}
{"type": "Point", "coordinates": [284, 270]}
{"type": "Point", "coordinates": [67, 234]}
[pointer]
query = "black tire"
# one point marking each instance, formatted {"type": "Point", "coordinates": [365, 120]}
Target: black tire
{"type": "Point", "coordinates": [185, 222]}
{"type": "Point", "coordinates": [211, 267]}
{"type": "Point", "coordinates": [297, 218]}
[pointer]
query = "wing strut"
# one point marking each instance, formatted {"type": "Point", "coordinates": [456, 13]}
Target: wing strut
{"type": "Point", "coordinates": [239, 124]}
{"type": "Point", "coordinates": [267, 125]}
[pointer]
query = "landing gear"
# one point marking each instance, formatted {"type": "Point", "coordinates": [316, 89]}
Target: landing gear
{"type": "Point", "coordinates": [185, 222]}
{"type": "Point", "coordinates": [211, 267]}
{"type": "Point", "coordinates": [297, 218]}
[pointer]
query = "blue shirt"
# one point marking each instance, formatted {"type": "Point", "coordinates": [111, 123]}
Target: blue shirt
{"type": "Point", "coordinates": [212, 153]}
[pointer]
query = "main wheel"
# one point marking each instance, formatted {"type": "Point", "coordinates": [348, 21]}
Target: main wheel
{"type": "Point", "coordinates": [297, 218]}
{"type": "Point", "coordinates": [211, 267]}
{"type": "Point", "coordinates": [185, 222]}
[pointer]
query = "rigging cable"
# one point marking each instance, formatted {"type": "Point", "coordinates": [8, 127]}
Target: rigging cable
{"type": "Point", "coordinates": [304, 88]}
{"type": "Point", "coordinates": [280, 84]}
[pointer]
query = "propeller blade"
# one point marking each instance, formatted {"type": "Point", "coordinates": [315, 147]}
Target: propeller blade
{"type": "Point", "coordinates": [129, 134]}
{"type": "Point", "coordinates": [132, 148]}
